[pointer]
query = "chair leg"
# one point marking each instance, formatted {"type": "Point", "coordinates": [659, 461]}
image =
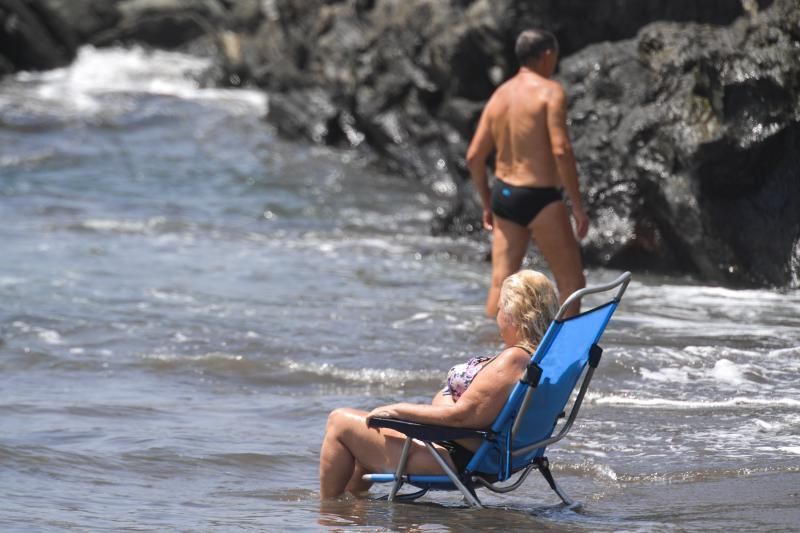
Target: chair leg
{"type": "Point", "coordinates": [410, 497]}
{"type": "Point", "coordinates": [469, 495]}
{"type": "Point", "coordinates": [474, 495]}
{"type": "Point", "coordinates": [401, 467]}
{"type": "Point", "coordinates": [544, 468]}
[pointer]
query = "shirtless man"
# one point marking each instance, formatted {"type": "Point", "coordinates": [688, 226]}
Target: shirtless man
{"type": "Point", "coordinates": [525, 123]}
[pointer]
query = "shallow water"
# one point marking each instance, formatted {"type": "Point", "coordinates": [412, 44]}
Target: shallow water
{"type": "Point", "coordinates": [185, 297]}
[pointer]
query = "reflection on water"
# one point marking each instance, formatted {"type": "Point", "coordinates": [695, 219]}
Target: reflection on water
{"type": "Point", "coordinates": [187, 296]}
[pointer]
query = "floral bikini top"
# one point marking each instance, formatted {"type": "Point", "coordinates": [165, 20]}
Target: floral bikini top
{"type": "Point", "coordinates": [460, 377]}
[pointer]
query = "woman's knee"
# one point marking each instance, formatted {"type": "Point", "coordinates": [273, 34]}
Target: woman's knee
{"type": "Point", "coordinates": [336, 420]}
{"type": "Point", "coordinates": [342, 418]}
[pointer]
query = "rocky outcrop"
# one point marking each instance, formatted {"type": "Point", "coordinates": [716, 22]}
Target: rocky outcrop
{"type": "Point", "coordinates": [44, 34]}
{"type": "Point", "coordinates": [382, 75]}
{"type": "Point", "coordinates": [32, 37]}
{"type": "Point", "coordinates": [685, 134]}
{"type": "Point", "coordinates": [408, 78]}
{"type": "Point", "coordinates": [688, 138]}
{"type": "Point", "coordinates": [159, 23]}
{"type": "Point", "coordinates": [686, 131]}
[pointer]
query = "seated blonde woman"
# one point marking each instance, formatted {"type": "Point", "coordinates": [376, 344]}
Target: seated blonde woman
{"type": "Point", "coordinates": [472, 398]}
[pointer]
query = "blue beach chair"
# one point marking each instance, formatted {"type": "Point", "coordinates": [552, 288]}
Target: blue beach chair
{"type": "Point", "coordinates": [516, 442]}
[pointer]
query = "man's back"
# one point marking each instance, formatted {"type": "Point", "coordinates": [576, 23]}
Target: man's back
{"type": "Point", "coordinates": [518, 119]}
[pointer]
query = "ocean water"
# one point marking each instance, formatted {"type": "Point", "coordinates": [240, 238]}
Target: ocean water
{"type": "Point", "coordinates": [185, 296]}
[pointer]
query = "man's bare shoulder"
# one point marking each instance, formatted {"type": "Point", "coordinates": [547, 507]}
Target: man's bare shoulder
{"type": "Point", "coordinates": [552, 90]}
{"type": "Point", "coordinates": [501, 92]}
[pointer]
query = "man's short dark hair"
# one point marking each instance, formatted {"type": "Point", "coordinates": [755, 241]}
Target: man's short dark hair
{"type": "Point", "coordinates": [533, 43]}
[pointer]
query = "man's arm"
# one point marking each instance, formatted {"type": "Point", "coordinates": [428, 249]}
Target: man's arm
{"type": "Point", "coordinates": [564, 156]}
{"type": "Point", "coordinates": [479, 149]}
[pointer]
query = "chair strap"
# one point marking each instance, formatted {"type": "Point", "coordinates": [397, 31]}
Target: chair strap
{"type": "Point", "coordinates": [595, 352]}
{"type": "Point", "coordinates": [533, 373]}
{"type": "Point", "coordinates": [524, 348]}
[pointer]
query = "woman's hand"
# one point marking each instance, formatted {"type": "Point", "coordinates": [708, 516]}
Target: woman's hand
{"type": "Point", "coordinates": [386, 411]}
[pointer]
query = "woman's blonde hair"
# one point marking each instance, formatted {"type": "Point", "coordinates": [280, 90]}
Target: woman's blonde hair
{"type": "Point", "coordinates": [530, 302]}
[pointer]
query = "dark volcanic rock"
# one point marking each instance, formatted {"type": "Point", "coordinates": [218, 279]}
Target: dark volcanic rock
{"type": "Point", "coordinates": [686, 135]}
{"type": "Point", "coordinates": [32, 37]}
{"type": "Point", "coordinates": [161, 23]}
{"type": "Point", "coordinates": [204, 27]}
{"type": "Point", "coordinates": [157, 23]}
{"type": "Point", "coordinates": [43, 34]}
{"type": "Point", "coordinates": [578, 23]}
{"type": "Point", "coordinates": [387, 76]}
{"type": "Point", "coordinates": [86, 18]}
{"type": "Point", "coordinates": [408, 72]}
{"type": "Point", "coordinates": [688, 139]}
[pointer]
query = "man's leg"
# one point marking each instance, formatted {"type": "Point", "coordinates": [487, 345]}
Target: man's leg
{"type": "Point", "coordinates": [553, 234]}
{"type": "Point", "coordinates": [509, 244]}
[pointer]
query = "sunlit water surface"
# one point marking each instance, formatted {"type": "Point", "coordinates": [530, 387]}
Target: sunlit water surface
{"type": "Point", "coordinates": [185, 296]}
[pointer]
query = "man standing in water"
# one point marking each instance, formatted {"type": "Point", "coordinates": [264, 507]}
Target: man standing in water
{"type": "Point", "coordinates": [524, 122]}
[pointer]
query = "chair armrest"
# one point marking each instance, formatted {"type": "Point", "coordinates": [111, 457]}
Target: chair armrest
{"type": "Point", "coordinates": [425, 432]}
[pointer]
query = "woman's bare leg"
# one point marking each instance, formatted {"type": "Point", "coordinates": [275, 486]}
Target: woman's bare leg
{"type": "Point", "coordinates": [336, 463]}
{"type": "Point", "coordinates": [357, 485]}
{"type": "Point", "coordinates": [349, 445]}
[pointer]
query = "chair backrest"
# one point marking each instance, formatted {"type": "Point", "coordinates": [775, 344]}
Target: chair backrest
{"type": "Point", "coordinates": [562, 356]}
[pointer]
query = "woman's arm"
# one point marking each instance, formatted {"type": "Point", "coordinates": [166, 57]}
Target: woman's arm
{"type": "Point", "coordinates": [478, 407]}
{"type": "Point", "coordinates": [435, 415]}
{"type": "Point", "coordinates": [442, 399]}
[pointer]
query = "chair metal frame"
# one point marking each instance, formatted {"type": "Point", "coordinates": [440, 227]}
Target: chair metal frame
{"type": "Point", "coordinates": [428, 434]}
